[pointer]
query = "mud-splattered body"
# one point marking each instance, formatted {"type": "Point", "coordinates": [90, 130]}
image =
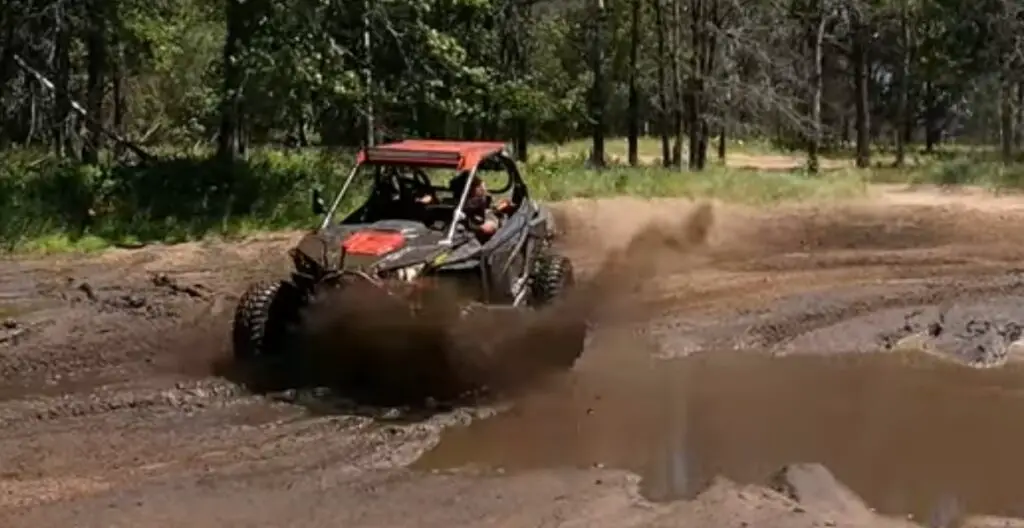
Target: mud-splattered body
{"type": "Point", "coordinates": [413, 244]}
{"type": "Point", "coordinates": [405, 250]}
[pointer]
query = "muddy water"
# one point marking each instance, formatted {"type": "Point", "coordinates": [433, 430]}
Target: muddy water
{"type": "Point", "coordinates": [910, 434]}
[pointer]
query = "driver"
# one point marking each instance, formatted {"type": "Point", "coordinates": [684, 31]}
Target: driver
{"type": "Point", "coordinates": [481, 218]}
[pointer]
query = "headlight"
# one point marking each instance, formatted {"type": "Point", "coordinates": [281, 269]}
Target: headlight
{"type": "Point", "coordinates": [408, 273]}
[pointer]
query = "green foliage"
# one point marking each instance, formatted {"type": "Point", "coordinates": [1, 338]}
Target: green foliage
{"type": "Point", "coordinates": [177, 200]}
{"type": "Point", "coordinates": [461, 68]}
{"type": "Point", "coordinates": [48, 205]}
{"type": "Point", "coordinates": [984, 173]}
{"type": "Point", "coordinates": [565, 179]}
{"type": "Point", "coordinates": [171, 52]}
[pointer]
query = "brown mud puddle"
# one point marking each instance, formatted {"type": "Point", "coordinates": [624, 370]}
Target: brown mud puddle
{"type": "Point", "coordinates": [910, 434]}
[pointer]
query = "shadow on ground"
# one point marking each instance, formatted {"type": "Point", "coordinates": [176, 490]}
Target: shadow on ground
{"type": "Point", "coordinates": [366, 349]}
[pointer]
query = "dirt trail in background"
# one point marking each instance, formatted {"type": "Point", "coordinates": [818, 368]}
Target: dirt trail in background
{"type": "Point", "coordinates": [111, 410]}
{"type": "Point", "coordinates": [765, 162]}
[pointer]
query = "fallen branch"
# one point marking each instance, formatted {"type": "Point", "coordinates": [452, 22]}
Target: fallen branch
{"type": "Point", "coordinates": [145, 156]}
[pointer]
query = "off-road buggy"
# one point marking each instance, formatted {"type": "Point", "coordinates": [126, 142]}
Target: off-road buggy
{"type": "Point", "coordinates": [398, 245]}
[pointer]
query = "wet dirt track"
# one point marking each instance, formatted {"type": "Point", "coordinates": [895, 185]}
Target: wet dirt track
{"type": "Point", "coordinates": [112, 413]}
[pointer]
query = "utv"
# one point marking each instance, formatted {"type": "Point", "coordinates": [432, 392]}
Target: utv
{"type": "Point", "coordinates": [398, 244]}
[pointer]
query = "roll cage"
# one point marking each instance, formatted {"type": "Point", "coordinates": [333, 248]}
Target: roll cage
{"type": "Point", "coordinates": [459, 156]}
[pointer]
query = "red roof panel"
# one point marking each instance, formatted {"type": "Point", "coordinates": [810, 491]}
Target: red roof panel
{"type": "Point", "coordinates": [453, 154]}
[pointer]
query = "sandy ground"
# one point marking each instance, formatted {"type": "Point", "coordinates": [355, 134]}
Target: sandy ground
{"type": "Point", "coordinates": [733, 351]}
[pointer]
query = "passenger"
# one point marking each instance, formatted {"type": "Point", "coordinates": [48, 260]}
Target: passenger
{"type": "Point", "coordinates": [481, 218]}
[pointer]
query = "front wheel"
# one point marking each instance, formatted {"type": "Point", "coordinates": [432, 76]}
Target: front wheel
{"type": "Point", "coordinates": [264, 314]}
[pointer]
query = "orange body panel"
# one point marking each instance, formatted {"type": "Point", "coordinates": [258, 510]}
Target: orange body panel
{"type": "Point", "coordinates": [373, 243]}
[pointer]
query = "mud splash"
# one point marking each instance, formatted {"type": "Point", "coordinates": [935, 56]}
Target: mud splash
{"type": "Point", "coordinates": [373, 349]}
{"type": "Point", "coordinates": [909, 434]}
{"type": "Point", "coordinates": [375, 352]}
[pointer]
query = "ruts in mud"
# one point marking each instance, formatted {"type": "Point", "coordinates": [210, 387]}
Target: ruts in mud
{"type": "Point", "coordinates": [113, 407]}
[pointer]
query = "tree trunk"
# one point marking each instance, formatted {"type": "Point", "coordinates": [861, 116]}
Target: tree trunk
{"type": "Point", "coordinates": [62, 80]}
{"type": "Point", "coordinates": [230, 142]}
{"type": "Point", "coordinates": [371, 125]}
{"type": "Point", "coordinates": [721, 143]}
{"type": "Point", "coordinates": [693, 85]}
{"type": "Point", "coordinates": [597, 89]}
{"type": "Point", "coordinates": [521, 19]}
{"type": "Point", "coordinates": [96, 44]}
{"type": "Point", "coordinates": [705, 14]}
{"type": "Point", "coordinates": [702, 144]}
{"type": "Point", "coordinates": [522, 143]}
{"type": "Point", "coordinates": [8, 24]}
{"type": "Point", "coordinates": [902, 106]}
{"type": "Point", "coordinates": [932, 135]}
{"type": "Point", "coordinates": [730, 73]}
{"type": "Point", "coordinates": [634, 96]}
{"type": "Point", "coordinates": [664, 111]}
{"type": "Point", "coordinates": [693, 126]}
{"type": "Point", "coordinates": [1006, 119]}
{"type": "Point", "coordinates": [817, 37]}
{"type": "Point", "coordinates": [118, 79]}
{"type": "Point", "coordinates": [675, 32]}
{"type": "Point", "coordinates": [909, 125]}
{"type": "Point", "coordinates": [1018, 137]}
{"type": "Point", "coordinates": [863, 109]}
{"type": "Point", "coordinates": [933, 117]}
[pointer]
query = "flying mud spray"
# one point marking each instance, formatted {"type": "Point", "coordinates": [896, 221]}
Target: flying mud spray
{"type": "Point", "coordinates": [379, 352]}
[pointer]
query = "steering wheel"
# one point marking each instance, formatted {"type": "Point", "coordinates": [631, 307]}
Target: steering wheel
{"type": "Point", "coordinates": [422, 178]}
{"type": "Point", "coordinates": [417, 186]}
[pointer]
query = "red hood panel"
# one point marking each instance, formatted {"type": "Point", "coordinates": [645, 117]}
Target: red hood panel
{"type": "Point", "coordinates": [373, 242]}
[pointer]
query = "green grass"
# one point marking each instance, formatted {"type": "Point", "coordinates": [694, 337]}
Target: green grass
{"type": "Point", "coordinates": [648, 149]}
{"type": "Point", "coordinates": [967, 171]}
{"type": "Point", "coordinates": [560, 181]}
{"type": "Point", "coordinates": [48, 206]}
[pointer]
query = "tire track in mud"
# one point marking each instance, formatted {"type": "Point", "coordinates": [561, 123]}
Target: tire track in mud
{"type": "Point", "coordinates": [827, 310]}
{"type": "Point", "coordinates": [151, 369]}
{"type": "Point", "coordinates": [83, 322]}
{"type": "Point", "coordinates": [802, 270]}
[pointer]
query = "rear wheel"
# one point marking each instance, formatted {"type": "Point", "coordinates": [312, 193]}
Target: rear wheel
{"type": "Point", "coordinates": [553, 278]}
{"type": "Point", "coordinates": [263, 316]}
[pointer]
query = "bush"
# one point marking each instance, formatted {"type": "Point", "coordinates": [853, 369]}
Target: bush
{"type": "Point", "coordinates": [48, 204]}
{"type": "Point", "coordinates": [174, 200]}
{"type": "Point", "coordinates": [565, 179]}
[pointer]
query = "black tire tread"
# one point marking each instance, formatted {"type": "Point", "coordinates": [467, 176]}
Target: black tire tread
{"type": "Point", "coordinates": [554, 276]}
{"type": "Point", "coordinates": [261, 317]}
